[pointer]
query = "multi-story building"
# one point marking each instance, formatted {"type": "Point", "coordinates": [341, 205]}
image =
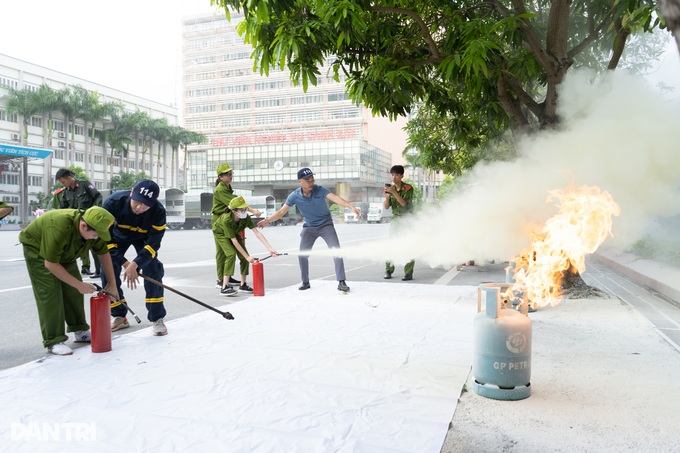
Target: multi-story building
{"type": "Point", "coordinates": [65, 147]}
{"type": "Point", "coordinates": [266, 128]}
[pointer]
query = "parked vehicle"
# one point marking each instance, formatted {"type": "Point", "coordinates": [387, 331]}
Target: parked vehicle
{"type": "Point", "coordinates": [173, 200]}
{"type": "Point", "coordinates": [292, 217]}
{"type": "Point", "coordinates": [266, 204]}
{"type": "Point", "coordinates": [351, 217]}
{"type": "Point", "coordinates": [197, 208]}
{"type": "Point", "coordinates": [378, 214]}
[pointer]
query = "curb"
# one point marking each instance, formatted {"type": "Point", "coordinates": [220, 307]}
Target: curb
{"type": "Point", "coordinates": [657, 277]}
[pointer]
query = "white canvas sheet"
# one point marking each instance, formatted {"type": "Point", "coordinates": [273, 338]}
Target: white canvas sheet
{"type": "Point", "coordinates": [377, 370]}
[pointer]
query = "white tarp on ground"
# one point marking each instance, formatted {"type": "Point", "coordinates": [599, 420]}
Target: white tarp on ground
{"type": "Point", "coordinates": [377, 370]}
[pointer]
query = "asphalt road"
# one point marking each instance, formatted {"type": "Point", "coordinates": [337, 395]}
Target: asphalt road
{"type": "Point", "coordinates": [189, 260]}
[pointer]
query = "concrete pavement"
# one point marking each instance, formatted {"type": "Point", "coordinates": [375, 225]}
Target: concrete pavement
{"type": "Point", "coordinates": [603, 370]}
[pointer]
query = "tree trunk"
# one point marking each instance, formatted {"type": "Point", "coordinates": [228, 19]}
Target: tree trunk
{"type": "Point", "coordinates": [671, 12]}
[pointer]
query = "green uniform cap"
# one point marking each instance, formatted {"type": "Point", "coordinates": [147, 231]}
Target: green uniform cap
{"type": "Point", "coordinates": [101, 220]}
{"type": "Point", "coordinates": [223, 168]}
{"type": "Point", "coordinates": [238, 203]}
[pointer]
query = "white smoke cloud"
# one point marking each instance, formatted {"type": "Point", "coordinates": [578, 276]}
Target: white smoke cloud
{"type": "Point", "coordinates": [617, 133]}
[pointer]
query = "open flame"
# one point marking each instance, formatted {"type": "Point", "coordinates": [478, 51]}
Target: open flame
{"type": "Point", "coordinates": [583, 223]}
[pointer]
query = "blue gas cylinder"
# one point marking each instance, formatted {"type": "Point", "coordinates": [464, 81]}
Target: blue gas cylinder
{"type": "Point", "coordinates": [501, 361]}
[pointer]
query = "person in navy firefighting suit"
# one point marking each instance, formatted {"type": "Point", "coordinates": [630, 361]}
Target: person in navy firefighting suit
{"type": "Point", "coordinates": [140, 222]}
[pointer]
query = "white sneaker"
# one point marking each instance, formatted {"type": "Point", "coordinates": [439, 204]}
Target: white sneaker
{"type": "Point", "coordinates": [82, 336]}
{"type": "Point", "coordinates": [159, 328]}
{"type": "Point", "coordinates": [119, 323]}
{"type": "Point", "coordinates": [60, 349]}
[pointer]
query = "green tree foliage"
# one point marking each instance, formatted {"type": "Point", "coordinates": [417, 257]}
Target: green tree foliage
{"type": "Point", "coordinates": [474, 69]}
{"type": "Point", "coordinates": [127, 180]}
{"type": "Point", "coordinates": [446, 188]}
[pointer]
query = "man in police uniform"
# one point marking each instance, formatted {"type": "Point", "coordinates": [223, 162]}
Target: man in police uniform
{"type": "Point", "coordinates": [51, 244]}
{"type": "Point", "coordinates": [140, 222]}
{"type": "Point", "coordinates": [399, 197]}
{"type": "Point", "coordinates": [79, 194]}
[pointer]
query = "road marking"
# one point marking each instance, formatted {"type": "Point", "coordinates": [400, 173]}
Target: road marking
{"type": "Point", "coordinates": [18, 288]}
{"type": "Point", "coordinates": [446, 278]}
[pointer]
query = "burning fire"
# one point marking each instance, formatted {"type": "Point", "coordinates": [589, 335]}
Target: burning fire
{"type": "Point", "coordinates": [583, 223]}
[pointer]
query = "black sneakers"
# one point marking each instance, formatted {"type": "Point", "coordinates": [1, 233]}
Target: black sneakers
{"type": "Point", "coordinates": [245, 288]}
{"type": "Point", "coordinates": [304, 286]}
{"type": "Point", "coordinates": [407, 277]}
{"type": "Point", "coordinates": [85, 271]}
{"type": "Point", "coordinates": [342, 286]}
{"type": "Point", "coordinates": [388, 275]}
{"type": "Point", "coordinates": [229, 292]}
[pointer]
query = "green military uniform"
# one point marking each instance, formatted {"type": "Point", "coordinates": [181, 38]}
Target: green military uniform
{"type": "Point", "coordinates": [221, 197]}
{"type": "Point", "coordinates": [398, 211]}
{"type": "Point", "coordinates": [56, 198]}
{"type": "Point", "coordinates": [225, 229]}
{"type": "Point", "coordinates": [5, 205]}
{"type": "Point", "coordinates": [83, 196]}
{"type": "Point", "coordinates": [55, 237]}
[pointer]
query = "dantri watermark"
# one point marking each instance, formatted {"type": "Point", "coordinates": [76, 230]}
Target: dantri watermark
{"type": "Point", "coordinates": [54, 432]}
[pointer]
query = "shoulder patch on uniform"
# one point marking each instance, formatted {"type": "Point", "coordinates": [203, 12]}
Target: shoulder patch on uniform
{"type": "Point", "coordinates": [59, 190]}
{"type": "Point", "coordinates": [407, 187]}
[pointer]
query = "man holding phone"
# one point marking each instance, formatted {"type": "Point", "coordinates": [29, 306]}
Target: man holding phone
{"type": "Point", "coordinates": [399, 197]}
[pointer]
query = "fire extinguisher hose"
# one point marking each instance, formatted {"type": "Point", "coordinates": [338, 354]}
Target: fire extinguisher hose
{"type": "Point", "coordinates": [101, 290]}
{"type": "Point", "coordinates": [225, 314]}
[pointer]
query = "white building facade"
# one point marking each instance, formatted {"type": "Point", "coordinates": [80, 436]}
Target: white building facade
{"type": "Point", "coordinates": [266, 128]}
{"type": "Point", "coordinates": [80, 151]}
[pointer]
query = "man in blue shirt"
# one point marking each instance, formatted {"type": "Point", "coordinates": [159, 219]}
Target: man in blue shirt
{"type": "Point", "coordinates": [310, 200]}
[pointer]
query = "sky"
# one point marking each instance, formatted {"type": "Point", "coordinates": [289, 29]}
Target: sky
{"type": "Point", "coordinates": [131, 46]}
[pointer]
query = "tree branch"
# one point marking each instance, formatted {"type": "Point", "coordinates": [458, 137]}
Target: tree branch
{"type": "Point", "coordinates": [622, 34]}
{"type": "Point", "coordinates": [533, 106]}
{"type": "Point", "coordinates": [514, 112]}
{"type": "Point", "coordinates": [592, 36]}
{"type": "Point", "coordinates": [531, 40]}
{"type": "Point", "coordinates": [427, 36]}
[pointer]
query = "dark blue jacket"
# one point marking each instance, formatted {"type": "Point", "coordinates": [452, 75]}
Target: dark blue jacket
{"type": "Point", "coordinates": [129, 228]}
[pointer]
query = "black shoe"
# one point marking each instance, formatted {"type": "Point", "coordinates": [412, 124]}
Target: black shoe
{"type": "Point", "coordinates": [85, 271]}
{"type": "Point", "coordinates": [233, 281]}
{"type": "Point", "coordinates": [304, 286]}
{"type": "Point", "coordinates": [387, 276]}
{"type": "Point", "coordinates": [245, 288]}
{"type": "Point", "coordinates": [229, 292]}
{"type": "Point", "coordinates": [342, 286]}
{"type": "Point", "coordinates": [407, 277]}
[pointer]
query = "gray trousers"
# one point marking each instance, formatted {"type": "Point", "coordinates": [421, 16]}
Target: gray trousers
{"type": "Point", "coordinates": [308, 237]}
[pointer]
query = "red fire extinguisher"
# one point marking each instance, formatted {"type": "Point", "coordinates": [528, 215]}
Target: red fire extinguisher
{"type": "Point", "coordinates": [258, 278]}
{"type": "Point", "coordinates": [258, 275]}
{"type": "Point", "coordinates": [100, 323]}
